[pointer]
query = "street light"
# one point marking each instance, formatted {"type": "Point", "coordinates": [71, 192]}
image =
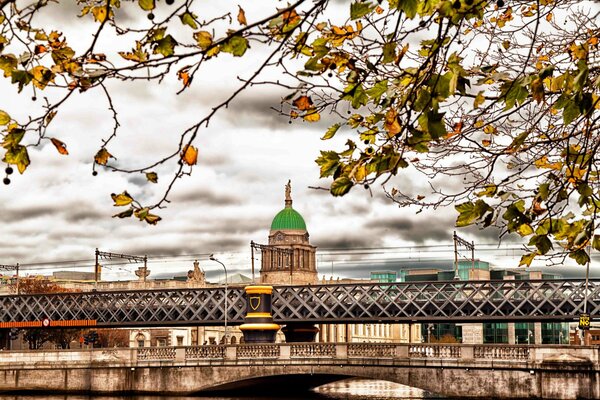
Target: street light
{"type": "Point", "coordinates": [212, 258]}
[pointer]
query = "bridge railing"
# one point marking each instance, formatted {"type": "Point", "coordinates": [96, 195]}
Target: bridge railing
{"type": "Point", "coordinates": [298, 352]}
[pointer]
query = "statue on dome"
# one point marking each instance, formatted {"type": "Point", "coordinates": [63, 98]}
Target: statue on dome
{"type": "Point", "coordinates": [288, 190]}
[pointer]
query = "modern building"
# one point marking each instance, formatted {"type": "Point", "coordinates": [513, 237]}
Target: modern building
{"type": "Point", "coordinates": [487, 332]}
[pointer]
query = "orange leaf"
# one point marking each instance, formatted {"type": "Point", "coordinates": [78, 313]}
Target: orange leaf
{"type": "Point", "coordinates": [241, 17]}
{"type": "Point", "coordinates": [102, 156]}
{"type": "Point", "coordinates": [391, 124]}
{"type": "Point", "coordinates": [60, 146]}
{"type": "Point", "coordinates": [184, 75]}
{"type": "Point", "coordinates": [303, 103]}
{"type": "Point", "coordinates": [189, 155]}
{"type": "Point", "coordinates": [40, 48]}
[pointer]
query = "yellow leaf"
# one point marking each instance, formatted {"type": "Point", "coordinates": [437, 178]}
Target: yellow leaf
{"type": "Point", "coordinates": [102, 156]}
{"type": "Point", "coordinates": [203, 38]}
{"type": "Point", "coordinates": [479, 99]}
{"type": "Point", "coordinates": [486, 142]}
{"type": "Point", "coordinates": [593, 41]}
{"type": "Point", "coordinates": [60, 146]}
{"type": "Point", "coordinates": [122, 199]}
{"type": "Point", "coordinates": [490, 129]}
{"type": "Point", "coordinates": [549, 17]}
{"type": "Point", "coordinates": [189, 155]}
{"type": "Point", "coordinates": [41, 76]}
{"type": "Point", "coordinates": [241, 17]}
{"type": "Point", "coordinates": [312, 115]}
{"type": "Point", "coordinates": [99, 13]}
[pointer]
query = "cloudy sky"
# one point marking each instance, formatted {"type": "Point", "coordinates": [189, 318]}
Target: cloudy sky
{"type": "Point", "coordinates": [57, 213]}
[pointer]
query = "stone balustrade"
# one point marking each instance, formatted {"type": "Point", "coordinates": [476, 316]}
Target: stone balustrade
{"type": "Point", "coordinates": [345, 352]}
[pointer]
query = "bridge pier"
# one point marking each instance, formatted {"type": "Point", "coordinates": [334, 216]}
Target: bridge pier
{"type": "Point", "coordinates": [259, 326]}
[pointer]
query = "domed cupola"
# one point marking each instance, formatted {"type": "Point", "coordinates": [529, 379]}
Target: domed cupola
{"type": "Point", "coordinates": [288, 218]}
{"type": "Point", "coordinates": [289, 257]}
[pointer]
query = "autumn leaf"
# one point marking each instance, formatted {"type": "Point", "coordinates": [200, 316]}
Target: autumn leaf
{"type": "Point", "coordinates": [391, 125]}
{"type": "Point", "coordinates": [102, 156]}
{"type": "Point", "coordinates": [124, 214]}
{"type": "Point", "coordinates": [122, 199]}
{"type": "Point", "coordinates": [4, 118]}
{"type": "Point", "coordinates": [60, 146]}
{"type": "Point", "coordinates": [41, 76]}
{"type": "Point", "coordinates": [312, 115]}
{"type": "Point", "coordinates": [152, 177]}
{"type": "Point", "coordinates": [189, 155]}
{"type": "Point", "coordinates": [50, 117]}
{"type": "Point", "coordinates": [147, 5]}
{"type": "Point", "coordinates": [40, 48]}
{"type": "Point", "coordinates": [303, 103]}
{"type": "Point", "coordinates": [184, 76]}
{"type": "Point", "coordinates": [241, 17]}
{"type": "Point", "coordinates": [144, 215]}
{"type": "Point", "coordinates": [203, 38]}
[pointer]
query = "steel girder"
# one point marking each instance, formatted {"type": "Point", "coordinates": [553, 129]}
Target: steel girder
{"type": "Point", "coordinates": [453, 301]}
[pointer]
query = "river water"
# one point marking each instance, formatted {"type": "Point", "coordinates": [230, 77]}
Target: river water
{"type": "Point", "coordinates": [352, 389]}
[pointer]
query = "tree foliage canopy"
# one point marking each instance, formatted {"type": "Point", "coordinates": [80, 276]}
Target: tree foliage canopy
{"type": "Point", "coordinates": [495, 103]}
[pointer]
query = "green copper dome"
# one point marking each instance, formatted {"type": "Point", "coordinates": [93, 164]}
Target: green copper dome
{"type": "Point", "coordinates": [288, 218]}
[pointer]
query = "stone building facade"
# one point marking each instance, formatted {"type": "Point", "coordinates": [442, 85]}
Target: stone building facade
{"type": "Point", "coordinates": [289, 258]}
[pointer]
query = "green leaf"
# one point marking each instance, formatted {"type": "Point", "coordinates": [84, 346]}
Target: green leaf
{"type": "Point", "coordinates": [331, 131]}
{"type": "Point", "coordinates": [21, 77]}
{"type": "Point", "coordinates": [542, 243]}
{"type": "Point", "coordinates": [122, 199]}
{"type": "Point", "coordinates": [147, 5]}
{"type": "Point", "coordinates": [4, 118]}
{"type": "Point", "coordinates": [470, 212]}
{"type": "Point", "coordinates": [165, 46]}
{"type": "Point", "coordinates": [13, 138]}
{"type": "Point", "coordinates": [378, 90]}
{"type": "Point", "coordinates": [329, 161]}
{"type": "Point", "coordinates": [8, 63]}
{"type": "Point", "coordinates": [409, 7]}
{"type": "Point", "coordinates": [596, 242]}
{"type": "Point", "coordinates": [581, 256]}
{"type": "Point", "coordinates": [570, 112]}
{"type": "Point", "coordinates": [236, 45]}
{"type": "Point", "coordinates": [189, 20]}
{"type": "Point", "coordinates": [341, 186]}
{"type": "Point", "coordinates": [124, 214]}
{"type": "Point", "coordinates": [359, 9]}
{"type": "Point", "coordinates": [152, 177]}
{"type": "Point", "coordinates": [389, 52]}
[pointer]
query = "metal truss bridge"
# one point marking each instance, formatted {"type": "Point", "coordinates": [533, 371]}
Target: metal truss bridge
{"type": "Point", "coordinates": [452, 301]}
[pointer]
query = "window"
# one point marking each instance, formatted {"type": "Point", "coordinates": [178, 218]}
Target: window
{"type": "Point", "coordinates": [161, 341]}
{"type": "Point", "coordinates": [179, 340]}
{"type": "Point", "coordinates": [140, 343]}
{"type": "Point", "coordinates": [523, 331]}
{"type": "Point", "coordinates": [495, 332]}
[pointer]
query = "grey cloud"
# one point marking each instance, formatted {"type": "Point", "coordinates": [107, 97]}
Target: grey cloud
{"type": "Point", "coordinates": [25, 213]}
{"type": "Point", "coordinates": [208, 197]}
{"type": "Point", "coordinates": [417, 230]}
{"type": "Point", "coordinates": [345, 241]}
